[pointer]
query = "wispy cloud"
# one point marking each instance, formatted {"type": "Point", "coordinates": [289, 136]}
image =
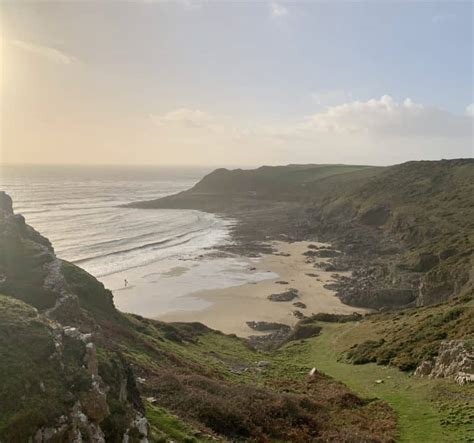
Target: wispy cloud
{"type": "Point", "coordinates": [277, 10]}
{"type": "Point", "coordinates": [355, 131]}
{"type": "Point", "coordinates": [470, 110]}
{"type": "Point", "coordinates": [184, 118]}
{"type": "Point", "coordinates": [379, 118]}
{"type": "Point", "coordinates": [51, 54]}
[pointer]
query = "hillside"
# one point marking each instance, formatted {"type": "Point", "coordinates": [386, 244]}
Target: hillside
{"type": "Point", "coordinates": [73, 368]}
{"type": "Point", "coordinates": [407, 230]}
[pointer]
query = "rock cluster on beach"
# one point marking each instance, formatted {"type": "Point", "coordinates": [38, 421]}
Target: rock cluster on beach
{"type": "Point", "coordinates": [288, 295]}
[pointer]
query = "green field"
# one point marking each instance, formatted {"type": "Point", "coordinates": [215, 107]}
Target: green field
{"type": "Point", "coordinates": [424, 413]}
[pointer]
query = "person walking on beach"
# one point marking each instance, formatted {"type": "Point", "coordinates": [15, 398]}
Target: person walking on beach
{"type": "Point", "coordinates": [125, 281]}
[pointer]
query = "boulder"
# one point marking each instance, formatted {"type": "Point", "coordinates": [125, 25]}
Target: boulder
{"type": "Point", "coordinates": [284, 296]}
{"type": "Point", "coordinates": [455, 360]}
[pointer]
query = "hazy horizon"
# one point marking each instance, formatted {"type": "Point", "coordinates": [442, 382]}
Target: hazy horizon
{"type": "Point", "coordinates": [235, 84]}
{"type": "Point", "coordinates": [203, 166]}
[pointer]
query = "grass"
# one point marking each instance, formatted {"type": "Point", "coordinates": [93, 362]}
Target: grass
{"type": "Point", "coordinates": [214, 383]}
{"type": "Point", "coordinates": [427, 410]}
{"type": "Point", "coordinates": [36, 385]}
{"type": "Point", "coordinates": [406, 338]}
{"type": "Point", "coordinates": [165, 426]}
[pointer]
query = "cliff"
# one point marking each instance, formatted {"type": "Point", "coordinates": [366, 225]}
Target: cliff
{"type": "Point", "coordinates": [73, 368]}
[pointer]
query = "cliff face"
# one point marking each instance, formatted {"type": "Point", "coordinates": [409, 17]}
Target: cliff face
{"type": "Point", "coordinates": [73, 368]}
{"type": "Point", "coordinates": [51, 386]}
{"type": "Point", "coordinates": [414, 224]}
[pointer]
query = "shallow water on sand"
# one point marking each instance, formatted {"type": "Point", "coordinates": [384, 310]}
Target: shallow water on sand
{"type": "Point", "coordinates": [157, 251]}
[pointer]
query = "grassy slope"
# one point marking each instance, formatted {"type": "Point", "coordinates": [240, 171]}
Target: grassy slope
{"type": "Point", "coordinates": [240, 190]}
{"type": "Point", "coordinates": [216, 392]}
{"type": "Point", "coordinates": [428, 410]}
{"type": "Point", "coordinates": [406, 338]}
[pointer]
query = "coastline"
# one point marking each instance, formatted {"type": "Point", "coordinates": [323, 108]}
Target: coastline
{"type": "Point", "coordinates": [229, 309]}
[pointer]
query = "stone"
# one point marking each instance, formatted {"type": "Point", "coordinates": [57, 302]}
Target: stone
{"type": "Point", "coordinates": [264, 326]}
{"type": "Point", "coordinates": [284, 296]}
{"type": "Point", "coordinates": [424, 369]}
{"type": "Point", "coordinates": [90, 360]}
{"type": "Point", "coordinates": [455, 360]}
{"type": "Point", "coordinates": [94, 404]}
{"type": "Point", "coordinates": [263, 364]}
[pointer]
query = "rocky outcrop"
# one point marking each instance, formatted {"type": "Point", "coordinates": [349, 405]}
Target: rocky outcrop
{"type": "Point", "coordinates": [376, 216]}
{"type": "Point", "coordinates": [265, 326]}
{"type": "Point", "coordinates": [455, 360]}
{"type": "Point", "coordinates": [288, 295]}
{"type": "Point", "coordinates": [30, 272]}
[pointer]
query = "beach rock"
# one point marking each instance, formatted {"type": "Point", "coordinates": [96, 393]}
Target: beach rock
{"type": "Point", "coordinates": [298, 314]}
{"type": "Point", "coordinates": [300, 305]}
{"type": "Point", "coordinates": [311, 274]}
{"type": "Point", "coordinates": [304, 330]}
{"type": "Point", "coordinates": [270, 341]}
{"type": "Point", "coordinates": [322, 253]}
{"type": "Point", "coordinates": [284, 296]}
{"type": "Point", "coordinates": [281, 282]}
{"type": "Point", "coordinates": [264, 326]}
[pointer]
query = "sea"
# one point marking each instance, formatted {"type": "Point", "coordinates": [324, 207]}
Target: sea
{"type": "Point", "coordinates": [159, 252]}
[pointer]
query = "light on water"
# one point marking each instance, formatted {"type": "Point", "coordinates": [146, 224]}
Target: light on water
{"type": "Point", "coordinates": [79, 210]}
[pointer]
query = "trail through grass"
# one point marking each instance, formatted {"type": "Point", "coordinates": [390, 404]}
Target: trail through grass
{"type": "Point", "coordinates": [428, 410]}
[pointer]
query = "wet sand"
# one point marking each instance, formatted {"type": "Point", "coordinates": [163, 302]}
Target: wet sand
{"type": "Point", "coordinates": [228, 309]}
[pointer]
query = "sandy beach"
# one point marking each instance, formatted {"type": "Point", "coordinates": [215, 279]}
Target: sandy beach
{"type": "Point", "coordinates": [228, 309]}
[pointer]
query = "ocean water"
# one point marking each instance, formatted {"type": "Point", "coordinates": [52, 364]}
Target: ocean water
{"type": "Point", "coordinates": [78, 209]}
{"type": "Point", "coordinates": [159, 252]}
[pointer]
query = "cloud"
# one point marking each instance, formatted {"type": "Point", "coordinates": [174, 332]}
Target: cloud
{"type": "Point", "coordinates": [380, 130]}
{"type": "Point", "coordinates": [470, 110]}
{"type": "Point", "coordinates": [51, 54]}
{"type": "Point", "coordinates": [380, 118]}
{"type": "Point", "coordinates": [387, 117]}
{"type": "Point", "coordinates": [277, 10]}
{"type": "Point", "coordinates": [184, 118]}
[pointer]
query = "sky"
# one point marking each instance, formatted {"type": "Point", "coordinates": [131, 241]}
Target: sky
{"type": "Point", "coordinates": [240, 83]}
